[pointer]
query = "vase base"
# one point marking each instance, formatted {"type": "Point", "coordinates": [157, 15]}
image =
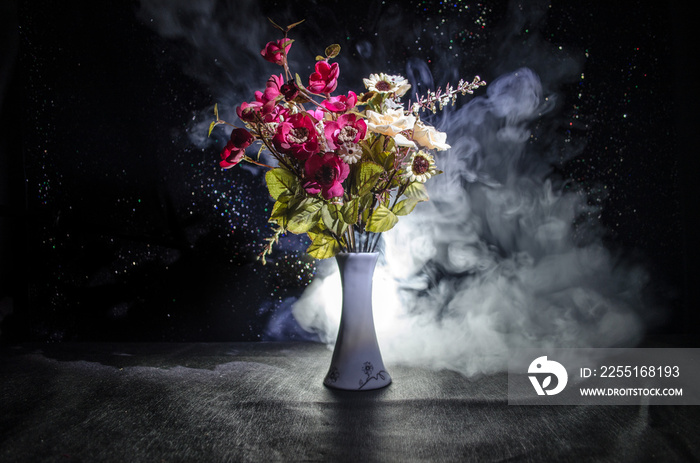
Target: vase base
{"type": "Point", "coordinates": [366, 381]}
{"type": "Point", "coordinates": [373, 387]}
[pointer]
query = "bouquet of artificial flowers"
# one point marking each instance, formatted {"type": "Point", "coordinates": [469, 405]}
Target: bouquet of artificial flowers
{"type": "Point", "coordinates": [348, 166]}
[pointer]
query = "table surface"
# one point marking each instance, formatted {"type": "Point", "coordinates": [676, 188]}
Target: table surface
{"type": "Point", "coordinates": [266, 402]}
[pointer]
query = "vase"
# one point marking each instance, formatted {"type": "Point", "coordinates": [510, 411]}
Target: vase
{"type": "Point", "coordinates": [357, 362]}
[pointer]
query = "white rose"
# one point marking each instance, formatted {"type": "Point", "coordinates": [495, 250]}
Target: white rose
{"type": "Point", "coordinates": [390, 122]}
{"type": "Point", "coordinates": [428, 137]}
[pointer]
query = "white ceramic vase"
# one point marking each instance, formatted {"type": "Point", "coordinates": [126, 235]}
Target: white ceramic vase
{"type": "Point", "coordinates": [357, 362]}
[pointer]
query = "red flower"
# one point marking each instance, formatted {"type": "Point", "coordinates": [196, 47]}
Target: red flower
{"type": "Point", "coordinates": [272, 90]}
{"type": "Point", "coordinates": [325, 79]}
{"type": "Point", "coordinates": [325, 175]}
{"type": "Point", "coordinates": [347, 129]}
{"type": "Point", "coordinates": [275, 52]}
{"type": "Point", "coordinates": [297, 136]}
{"type": "Point", "coordinates": [290, 91]}
{"type": "Point", "coordinates": [265, 104]}
{"type": "Point", "coordinates": [234, 150]}
{"type": "Point", "coordinates": [268, 97]}
{"type": "Point", "coordinates": [249, 112]}
{"type": "Point", "coordinates": [341, 103]}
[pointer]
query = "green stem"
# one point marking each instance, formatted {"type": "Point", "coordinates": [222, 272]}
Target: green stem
{"type": "Point", "coordinates": [400, 191]}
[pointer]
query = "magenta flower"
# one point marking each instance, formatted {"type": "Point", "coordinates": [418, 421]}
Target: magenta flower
{"type": "Point", "coordinates": [269, 95]}
{"type": "Point", "coordinates": [297, 136]}
{"type": "Point", "coordinates": [325, 175]}
{"type": "Point", "coordinates": [290, 91]}
{"type": "Point", "coordinates": [265, 105]}
{"type": "Point", "coordinates": [325, 79]}
{"type": "Point", "coordinates": [317, 114]}
{"type": "Point", "coordinates": [234, 150]}
{"type": "Point", "coordinates": [275, 52]}
{"type": "Point", "coordinates": [347, 129]}
{"type": "Point", "coordinates": [340, 103]}
{"type": "Point", "coordinates": [249, 112]}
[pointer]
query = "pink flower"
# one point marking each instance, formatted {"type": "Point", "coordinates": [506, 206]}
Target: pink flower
{"type": "Point", "coordinates": [278, 112]}
{"type": "Point", "coordinates": [275, 52]}
{"type": "Point", "coordinates": [325, 175]}
{"type": "Point", "coordinates": [297, 136]}
{"type": "Point", "coordinates": [340, 103]}
{"type": "Point", "coordinates": [249, 112]}
{"type": "Point", "coordinates": [234, 150]}
{"type": "Point", "coordinates": [317, 114]}
{"type": "Point", "coordinates": [347, 129]}
{"type": "Point", "coordinates": [325, 79]}
{"type": "Point", "coordinates": [272, 91]}
{"type": "Point", "coordinates": [265, 104]}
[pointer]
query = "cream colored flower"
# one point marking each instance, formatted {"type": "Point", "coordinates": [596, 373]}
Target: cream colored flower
{"type": "Point", "coordinates": [429, 137]}
{"type": "Point", "coordinates": [390, 122]}
{"type": "Point", "coordinates": [419, 167]}
{"type": "Point", "coordinates": [384, 83]}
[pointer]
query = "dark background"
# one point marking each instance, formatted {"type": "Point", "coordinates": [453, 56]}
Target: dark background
{"type": "Point", "coordinates": [115, 224]}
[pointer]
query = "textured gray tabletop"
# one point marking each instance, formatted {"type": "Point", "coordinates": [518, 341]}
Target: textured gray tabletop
{"type": "Point", "coordinates": [266, 402]}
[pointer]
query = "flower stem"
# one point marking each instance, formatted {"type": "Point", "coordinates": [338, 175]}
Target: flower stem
{"type": "Point", "coordinates": [252, 161]}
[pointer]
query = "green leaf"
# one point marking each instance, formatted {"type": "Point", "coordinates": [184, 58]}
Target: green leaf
{"type": "Point", "coordinates": [295, 24]}
{"type": "Point", "coordinates": [332, 51]}
{"type": "Point", "coordinates": [365, 203]}
{"type": "Point", "coordinates": [320, 58]}
{"type": "Point", "coordinates": [380, 153]}
{"type": "Point", "coordinates": [417, 191]}
{"type": "Point", "coordinates": [211, 127]}
{"type": "Point", "coordinates": [276, 25]}
{"type": "Point", "coordinates": [379, 156]}
{"type": "Point", "coordinates": [381, 220]}
{"type": "Point", "coordinates": [389, 160]}
{"type": "Point", "coordinates": [366, 177]}
{"type": "Point", "coordinates": [304, 216]}
{"type": "Point", "coordinates": [333, 219]}
{"type": "Point", "coordinates": [279, 214]}
{"type": "Point", "coordinates": [323, 245]}
{"type": "Point", "coordinates": [280, 181]}
{"type": "Point", "coordinates": [405, 206]}
{"type": "Point", "coordinates": [350, 211]}
{"type": "Point", "coordinates": [375, 103]}
{"type": "Point", "coordinates": [298, 80]}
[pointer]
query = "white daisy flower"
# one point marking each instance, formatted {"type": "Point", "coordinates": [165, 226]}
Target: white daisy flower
{"type": "Point", "coordinates": [384, 83]}
{"type": "Point", "coordinates": [419, 167]}
{"type": "Point", "coordinates": [349, 152]}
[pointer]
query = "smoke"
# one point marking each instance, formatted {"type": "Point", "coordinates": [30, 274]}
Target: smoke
{"type": "Point", "coordinates": [212, 49]}
{"type": "Point", "coordinates": [505, 254]}
{"type": "Point", "coordinates": [491, 263]}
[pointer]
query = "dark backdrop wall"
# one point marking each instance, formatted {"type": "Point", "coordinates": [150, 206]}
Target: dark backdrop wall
{"type": "Point", "coordinates": [117, 224]}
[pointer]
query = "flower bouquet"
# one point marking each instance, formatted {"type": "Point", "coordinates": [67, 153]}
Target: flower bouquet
{"type": "Point", "coordinates": [347, 166]}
